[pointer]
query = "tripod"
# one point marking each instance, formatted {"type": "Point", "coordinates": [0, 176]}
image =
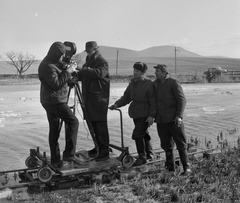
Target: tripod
{"type": "Point", "coordinates": [78, 95]}
{"type": "Point", "coordinates": [126, 159]}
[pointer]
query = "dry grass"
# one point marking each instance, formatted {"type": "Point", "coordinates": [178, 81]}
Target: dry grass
{"type": "Point", "coordinates": [214, 180]}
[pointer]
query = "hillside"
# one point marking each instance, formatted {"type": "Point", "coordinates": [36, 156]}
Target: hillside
{"type": "Point", "coordinates": [186, 62]}
{"type": "Point", "coordinates": [157, 51]}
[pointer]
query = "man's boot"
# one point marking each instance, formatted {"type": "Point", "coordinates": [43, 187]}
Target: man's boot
{"type": "Point", "coordinates": [149, 150]}
{"type": "Point", "coordinates": [185, 162]}
{"type": "Point", "coordinates": [170, 161]}
{"type": "Point", "coordinates": [93, 152]}
{"type": "Point", "coordinates": [142, 158]}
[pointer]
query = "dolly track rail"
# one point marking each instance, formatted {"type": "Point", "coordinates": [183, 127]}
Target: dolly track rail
{"type": "Point", "coordinates": [31, 178]}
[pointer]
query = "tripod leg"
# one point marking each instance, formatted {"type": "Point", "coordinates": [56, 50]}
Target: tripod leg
{"type": "Point", "coordinates": [61, 122]}
{"type": "Point", "coordinates": [89, 124]}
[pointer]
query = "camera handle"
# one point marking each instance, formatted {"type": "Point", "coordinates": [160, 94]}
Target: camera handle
{"type": "Point", "coordinates": [78, 95]}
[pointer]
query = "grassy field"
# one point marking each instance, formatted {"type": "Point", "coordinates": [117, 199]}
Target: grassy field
{"type": "Point", "coordinates": [214, 180]}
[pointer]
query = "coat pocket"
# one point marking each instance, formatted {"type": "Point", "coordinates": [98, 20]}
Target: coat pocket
{"type": "Point", "coordinates": [96, 87]}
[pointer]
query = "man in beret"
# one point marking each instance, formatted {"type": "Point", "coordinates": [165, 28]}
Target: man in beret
{"type": "Point", "coordinates": [96, 89]}
{"type": "Point", "coordinates": [140, 93]}
{"type": "Point", "coordinates": [171, 103]}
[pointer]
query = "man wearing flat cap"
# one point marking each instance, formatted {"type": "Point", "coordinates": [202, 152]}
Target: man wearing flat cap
{"type": "Point", "coordinates": [171, 103]}
{"type": "Point", "coordinates": [95, 89]}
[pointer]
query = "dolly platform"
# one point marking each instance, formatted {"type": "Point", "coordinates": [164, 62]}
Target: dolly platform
{"type": "Point", "coordinates": [39, 170]}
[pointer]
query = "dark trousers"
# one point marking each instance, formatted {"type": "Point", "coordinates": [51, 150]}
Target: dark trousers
{"type": "Point", "coordinates": [142, 138]}
{"type": "Point", "coordinates": [170, 133]}
{"type": "Point", "coordinates": [141, 129]}
{"type": "Point", "coordinates": [56, 113]}
{"type": "Point", "coordinates": [102, 136]}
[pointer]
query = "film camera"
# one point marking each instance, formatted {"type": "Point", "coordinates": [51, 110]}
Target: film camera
{"type": "Point", "coordinates": [71, 49]}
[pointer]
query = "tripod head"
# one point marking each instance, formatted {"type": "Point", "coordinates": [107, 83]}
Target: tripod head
{"type": "Point", "coordinates": [73, 81]}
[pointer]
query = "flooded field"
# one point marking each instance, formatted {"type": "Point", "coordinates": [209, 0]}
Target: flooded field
{"type": "Point", "coordinates": [212, 109]}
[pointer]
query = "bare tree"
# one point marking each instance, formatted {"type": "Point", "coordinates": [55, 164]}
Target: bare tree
{"type": "Point", "coordinates": [20, 61]}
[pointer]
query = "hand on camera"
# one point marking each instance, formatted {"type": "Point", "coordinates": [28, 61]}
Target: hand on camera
{"type": "Point", "coordinates": [73, 80]}
{"type": "Point", "coordinates": [113, 107]}
{"type": "Point", "coordinates": [85, 68]}
{"type": "Point", "coordinates": [74, 66]}
{"type": "Point", "coordinates": [71, 67]}
{"type": "Point", "coordinates": [80, 68]}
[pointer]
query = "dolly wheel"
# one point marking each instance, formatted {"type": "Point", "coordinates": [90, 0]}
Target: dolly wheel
{"type": "Point", "coordinates": [44, 174]}
{"type": "Point", "coordinates": [127, 161]}
{"type": "Point", "coordinates": [31, 162]}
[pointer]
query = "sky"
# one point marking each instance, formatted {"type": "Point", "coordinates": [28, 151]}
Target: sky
{"type": "Point", "coordinates": [205, 27]}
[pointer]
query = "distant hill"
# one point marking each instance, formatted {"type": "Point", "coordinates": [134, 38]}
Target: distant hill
{"type": "Point", "coordinates": [167, 51]}
{"type": "Point", "coordinates": [157, 51]}
{"type": "Point", "coordinates": [186, 62]}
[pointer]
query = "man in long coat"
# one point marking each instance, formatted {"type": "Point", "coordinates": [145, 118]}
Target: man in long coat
{"type": "Point", "coordinates": [95, 89]}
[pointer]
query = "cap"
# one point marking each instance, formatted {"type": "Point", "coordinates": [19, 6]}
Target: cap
{"type": "Point", "coordinates": [163, 67]}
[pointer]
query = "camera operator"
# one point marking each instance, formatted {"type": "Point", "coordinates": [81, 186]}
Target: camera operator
{"type": "Point", "coordinates": [95, 89]}
{"type": "Point", "coordinates": [54, 76]}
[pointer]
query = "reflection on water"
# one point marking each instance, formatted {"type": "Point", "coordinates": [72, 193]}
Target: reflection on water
{"type": "Point", "coordinates": [213, 108]}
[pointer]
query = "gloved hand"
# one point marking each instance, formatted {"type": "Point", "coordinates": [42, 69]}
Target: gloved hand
{"type": "Point", "coordinates": [113, 107]}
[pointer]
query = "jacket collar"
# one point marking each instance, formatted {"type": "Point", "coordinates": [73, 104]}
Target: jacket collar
{"type": "Point", "coordinates": [139, 79]}
{"type": "Point", "coordinates": [92, 58]}
{"type": "Point", "coordinates": [164, 79]}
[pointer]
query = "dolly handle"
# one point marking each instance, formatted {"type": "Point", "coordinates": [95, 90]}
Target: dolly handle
{"type": "Point", "coordinates": [121, 125]}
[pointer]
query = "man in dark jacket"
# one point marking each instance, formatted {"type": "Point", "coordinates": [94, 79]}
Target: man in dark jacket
{"type": "Point", "coordinates": [96, 89]}
{"type": "Point", "coordinates": [140, 93]}
{"type": "Point", "coordinates": [54, 76]}
{"type": "Point", "coordinates": [171, 103]}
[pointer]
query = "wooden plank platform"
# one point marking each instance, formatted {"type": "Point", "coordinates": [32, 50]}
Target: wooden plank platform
{"type": "Point", "coordinates": [89, 165]}
{"type": "Point", "coordinates": [69, 169]}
